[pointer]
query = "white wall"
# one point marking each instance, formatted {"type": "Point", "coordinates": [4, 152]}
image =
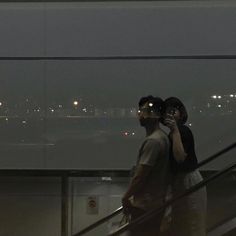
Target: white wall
{"type": "Point", "coordinates": [32, 206]}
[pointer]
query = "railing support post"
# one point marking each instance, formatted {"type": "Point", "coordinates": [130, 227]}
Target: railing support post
{"type": "Point", "coordinates": [64, 205]}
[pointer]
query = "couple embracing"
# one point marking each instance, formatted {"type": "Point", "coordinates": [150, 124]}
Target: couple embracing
{"type": "Point", "coordinates": [166, 166]}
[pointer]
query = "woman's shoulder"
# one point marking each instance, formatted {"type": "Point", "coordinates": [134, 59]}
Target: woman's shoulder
{"type": "Point", "coordinates": [184, 128]}
{"type": "Point", "coordinates": [185, 131]}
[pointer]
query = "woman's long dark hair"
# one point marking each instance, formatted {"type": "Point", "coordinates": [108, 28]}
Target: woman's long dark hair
{"type": "Point", "coordinates": [176, 103]}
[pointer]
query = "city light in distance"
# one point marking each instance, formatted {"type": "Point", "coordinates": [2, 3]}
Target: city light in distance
{"type": "Point", "coordinates": [216, 103]}
{"type": "Point", "coordinates": [127, 133]}
{"type": "Point", "coordinates": [226, 95]}
{"type": "Point", "coordinates": [75, 103]}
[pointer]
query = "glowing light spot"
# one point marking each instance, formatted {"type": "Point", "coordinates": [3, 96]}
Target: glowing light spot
{"type": "Point", "coordinates": [75, 103]}
{"type": "Point", "coordinates": [105, 178]}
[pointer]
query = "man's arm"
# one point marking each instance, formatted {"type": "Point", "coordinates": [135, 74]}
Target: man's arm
{"type": "Point", "coordinates": [148, 158]}
{"type": "Point", "coordinates": [136, 184]}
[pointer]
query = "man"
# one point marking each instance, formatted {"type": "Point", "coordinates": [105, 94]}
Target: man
{"type": "Point", "coordinates": [148, 186]}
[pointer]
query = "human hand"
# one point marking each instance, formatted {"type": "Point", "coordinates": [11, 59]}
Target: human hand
{"type": "Point", "coordinates": [127, 205]}
{"type": "Point", "coordinates": [170, 122]}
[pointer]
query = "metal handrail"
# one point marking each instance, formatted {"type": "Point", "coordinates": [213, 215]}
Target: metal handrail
{"type": "Point", "coordinates": [214, 156]}
{"type": "Point", "coordinates": [99, 222]}
{"type": "Point", "coordinates": [149, 215]}
{"type": "Point", "coordinates": [119, 210]}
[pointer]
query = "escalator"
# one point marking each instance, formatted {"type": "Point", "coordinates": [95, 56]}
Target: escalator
{"type": "Point", "coordinates": [222, 205]}
{"type": "Point", "coordinates": [227, 228]}
{"type": "Point", "coordinates": [221, 215]}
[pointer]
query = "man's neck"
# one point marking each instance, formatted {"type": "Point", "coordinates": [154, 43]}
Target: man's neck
{"type": "Point", "coordinates": [151, 128]}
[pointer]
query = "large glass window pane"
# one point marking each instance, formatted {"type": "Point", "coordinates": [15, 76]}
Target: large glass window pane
{"type": "Point", "coordinates": [92, 106]}
{"type": "Point", "coordinates": [22, 112]}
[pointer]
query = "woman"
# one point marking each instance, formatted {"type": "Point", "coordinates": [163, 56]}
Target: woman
{"type": "Point", "coordinates": [188, 213]}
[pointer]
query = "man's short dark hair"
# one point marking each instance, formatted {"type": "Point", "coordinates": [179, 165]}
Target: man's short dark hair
{"type": "Point", "coordinates": [157, 103]}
